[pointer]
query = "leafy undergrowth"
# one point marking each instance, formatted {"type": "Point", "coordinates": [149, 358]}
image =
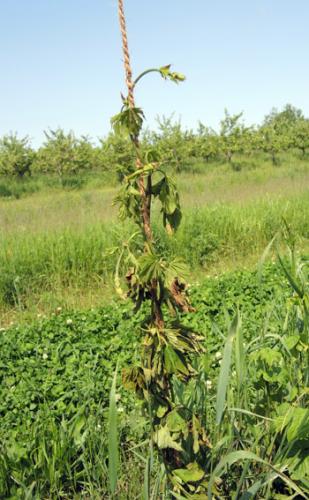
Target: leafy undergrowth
{"type": "Point", "coordinates": [56, 375]}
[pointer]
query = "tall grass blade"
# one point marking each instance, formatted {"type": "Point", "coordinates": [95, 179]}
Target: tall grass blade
{"type": "Point", "coordinates": [252, 491]}
{"type": "Point", "coordinates": [264, 257]}
{"type": "Point", "coordinates": [223, 380]}
{"type": "Point", "coordinates": [155, 494]}
{"type": "Point", "coordinates": [113, 453]}
{"type": "Point", "coordinates": [240, 356]}
{"type": "Point", "coordinates": [236, 456]}
{"type": "Point", "coordinates": [146, 480]}
{"type": "Point", "coordinates": [290, 279]}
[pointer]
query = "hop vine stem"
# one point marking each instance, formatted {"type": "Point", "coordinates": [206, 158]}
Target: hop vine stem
{"type": "Point", "coordinates": [165, 352]}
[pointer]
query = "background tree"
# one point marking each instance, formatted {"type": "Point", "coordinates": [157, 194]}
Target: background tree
{"type": "Point", "coordinates": [16, 156]}
{"type": "Point", "coordinates": [172, 142]}
{"type": "Point", "coordinates": [117, 153]}
{"type": "Point", "coordinates": [206, 143]}
{"type": "Point", "coordinates": [300, 135]}
{"type": "Point", "coordinates": [286, 118]}
{"type": "Point", "coordinates": [277, 130]}
{"type": "Point", "coordinates": [62, 153]}
{"type": "Point", "coordinates": [231, 135]}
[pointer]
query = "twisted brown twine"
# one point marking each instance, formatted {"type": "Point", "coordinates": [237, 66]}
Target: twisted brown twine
{"type": "Point", "coordinates": [126, 54]}
{"type": "Point", "coordinates": [145, 194]}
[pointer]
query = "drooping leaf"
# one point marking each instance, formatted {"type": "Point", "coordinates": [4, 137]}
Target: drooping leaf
{"type": "Point", "coordinates": [192, 474]}
{"type": "Point", "coordinates": [129, 120]}
{"type": "Point", "coordinates": [173, 362]}
{"type": "Point", "coordinates": [164, 439]}
{"type": "Point", "coordinates": [175, 422]}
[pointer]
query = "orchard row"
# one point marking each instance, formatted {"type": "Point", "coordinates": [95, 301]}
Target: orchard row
{"type": "Point", "coordinates": [64, 154]}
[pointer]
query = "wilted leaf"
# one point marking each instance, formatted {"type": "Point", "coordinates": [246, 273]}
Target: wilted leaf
{"type": "Point", "coordinates": [164, 439]}
{"type": "Point", "coordinates": [191, 474]}
{"type": "Point", "coordinates": [175, 422]}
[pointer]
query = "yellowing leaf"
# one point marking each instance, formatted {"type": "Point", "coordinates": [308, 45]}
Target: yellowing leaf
{"type": "Point", "coordinates": [191, 474]}
{"type": "Point", "coordinates": [164, 439]}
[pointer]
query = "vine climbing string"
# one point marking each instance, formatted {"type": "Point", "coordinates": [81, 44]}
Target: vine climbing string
{"type": "Point", "coordinates": [168, 348]}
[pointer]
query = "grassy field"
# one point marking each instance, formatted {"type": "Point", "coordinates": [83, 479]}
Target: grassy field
{"type": "Point", "coordinates": [54, 247]}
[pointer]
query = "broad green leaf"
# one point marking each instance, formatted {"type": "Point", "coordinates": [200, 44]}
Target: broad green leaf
{"type": "Point", "coordinates": [173, 219]}
{"type": "Point", "coordinates": [298, 427]}
{"type": "Point", "coordinates": [173, 362]}
{"type": "Point", "coordinates": [175, 422]}
{"type": "Point", "coordinates": [291, 341]}
{"type": "Point", "coordinates": [193, 473]}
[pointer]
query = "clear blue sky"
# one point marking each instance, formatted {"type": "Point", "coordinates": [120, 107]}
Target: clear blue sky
{"type": "Point", "coordinates": [61, 60]}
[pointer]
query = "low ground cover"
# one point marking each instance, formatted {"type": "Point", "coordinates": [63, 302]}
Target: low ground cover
{"type": "Point", "coordinates": [56, 376]}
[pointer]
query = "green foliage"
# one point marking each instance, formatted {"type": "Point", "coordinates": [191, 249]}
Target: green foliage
{"type": "Point", "coordinates": [231, 134]}
{"type": "Point", "coordinates": [178, 148]}
{"type": "Point", "coordinates": [207, 143]}
{"type": "Point", "coordinates": [117, 154]}
{"type": "Point", "coordinates": [16, 156]}
{"type": "Point", "coordinates": [113, 458]}
{"type": "Point", "coordinates": [129, 120]}
{"type": "Point", "coordinates": [173, 144]}
{"type": "Point", "coordinates": [56, 377]}
{"type": "Point", "coordinates": [300, 135]}
{"type": "Point", "coordinates": [280, 129]}
{"type": "Point", "coordinates": [63, 154]}
{"type": "Point", "coordinates": [223, 380]}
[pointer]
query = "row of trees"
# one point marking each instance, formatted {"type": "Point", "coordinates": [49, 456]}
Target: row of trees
{"type": "Point", "coordinates": [63, 153]}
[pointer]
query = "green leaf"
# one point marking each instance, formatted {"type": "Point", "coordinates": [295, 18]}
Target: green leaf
{"type": "Point", "coordinates": [291, 279]}
{"type": "Point", "coordinates": [164, 439]}
{"type": "Point", "coordinates": [195, 433]}
{"type": "Point", "coordinates": [129, 120]}
{"type": "Point", "coordinates": [173, 362]}
{"type": "Point", "coordinates": [176, 268]}
{"type": "Point", "coordinates": [78, 425]}
{"type": "Point", "coordinates": [113, 437]}
{"type": "Point", "coordinates": [161, 411]}
{"type": "Point", "coordinates": [192, 474]}
{"type": "Point", "coordinates": [240, 361]}
{"type": "Point", "coordinates": [237, 456]}
{"type": "Point", "coordinates": [225, 368]}
{"type": "Point", "coordinates": [264, 257]}
{"type": "Point", "coordinates": [173, 219]}
{"type": "Point", "coordinates": [174, 76]}
{"type": "Point", "coordinates": [175, 422]}
{"type": "Point", "coordinates": [298, 427]}
{"type": "Point", "coordinates": [291, 341]}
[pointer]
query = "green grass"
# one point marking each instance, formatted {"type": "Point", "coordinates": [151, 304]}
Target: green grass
{"type": "Point", "coordinates": [54, 243]}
